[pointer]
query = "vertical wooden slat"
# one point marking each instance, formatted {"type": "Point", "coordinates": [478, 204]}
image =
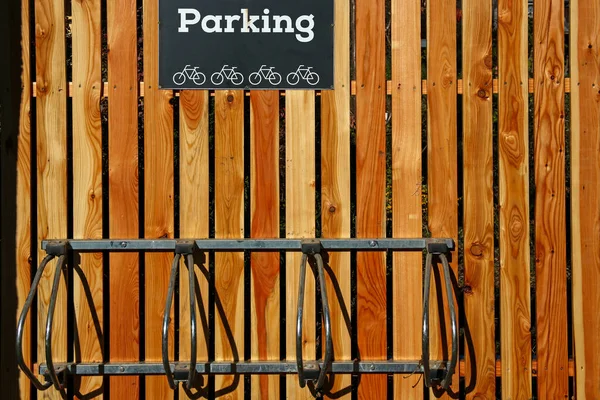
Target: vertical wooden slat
{"type": "Point", "coordinates": [478, 200]}
{"type": "Point", "coordinates": [193, 216]}
{"type": "Point", "coordinates": [370, 188]}
{"type": "Point", "coordinates": [23, 227]}
{"type": "Point", "coordinates": [300, 223]}
{"type": "Point", "coordinates": [515, 315]}
{"type": "Point", "coordinates": [158, 198]}
{"type": "Point", "coordinates": [87, 186]}
{"type": "Point", "coordinates": [550, 213]}
{"type": "Point", "coordinates": [123, 203]}
{"type": "Point", "coordinates": [406, 187]}
{"type": "Point", "coordinates": [264, 199]}
{"type": "Point", "coordinates": [335, 190]}
{"type": "Point", "coordinates": [442, 154]}
{"type": "Point", "coordinates": [51, 127]}
{"type": "Point", "coordinates": [585, 200]}
{"type": "Point", "coordinates": [229, 223]}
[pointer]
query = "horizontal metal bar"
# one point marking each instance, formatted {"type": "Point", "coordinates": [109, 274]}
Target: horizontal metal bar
{"type": "Point", "coordinates": [247, 367]}
{"type": "Point", "coordinates": [168, 245]}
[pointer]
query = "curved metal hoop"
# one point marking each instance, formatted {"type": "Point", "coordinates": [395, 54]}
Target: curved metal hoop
{"type": "Point", "coordinates": [447, 380]}
{"type": "Point", "coordinates": [50, 319]}
{"type": "Point", "coordinates": [193, 337]}
{"type": "Point", "coordinates": [326, 322]}
{"type": "Point", "coordinates": [21, 326]}
{"type": "Point", "coordinates": [166, 318]}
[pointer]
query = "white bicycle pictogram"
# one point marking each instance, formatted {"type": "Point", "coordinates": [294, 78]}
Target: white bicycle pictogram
{"type": "Point", "coordinates": [256, 78]}
{"type": "Point", "coordinates": [188, 72]}
{"type": "Point", "coordinates": [305, 73]}
{"type": "Point", "coordinates": [228, 73]}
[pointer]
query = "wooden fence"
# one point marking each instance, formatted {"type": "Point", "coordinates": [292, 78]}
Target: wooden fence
{"type": "Point", "coordinates": [490, 136]}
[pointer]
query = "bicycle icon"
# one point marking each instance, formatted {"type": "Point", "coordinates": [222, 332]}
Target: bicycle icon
{"type": "Point", "coordinates": [265, 73]}
{"type": "Point", "coordinates": [305, 73]}
{"type": "Point", "coordinates": [188, 72]}
{"type": "Point", "coordinates": [227, 73]}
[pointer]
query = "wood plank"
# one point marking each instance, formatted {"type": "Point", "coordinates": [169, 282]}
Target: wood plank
{"type": "Point", "coordinates": [515, 314]}
{"type": "Point", "coordinates": [370, 189]}
{"type": "Point", "coordinates": [24, 209]}
{"type": "Point", "coordinates": [264, 200]}
{"type": "Point", "coordinates": [300, 210]}
{"type": "Point", "coordinates": [158, 199]}
{"type": "Point", "coordinates": [15, 270]}
{"type": "Point", "coordinates": [550, 212]}
{"type": "Point", "coordinates": [478, 200]}
{"type": "Point", "coordinates": [335, 192]}
{"type": "Point", "coordinates": [51, 106]}
{"type": "Point", "coordinates": [229, 223]}
{"type": "Point", "coordinates": [585, 193]}
{"type": "Point", "coordinates": [123, 203]}
{"type": "Point", "coordinates": [406, 187]}
{"type": "Point", "coordinates": [87, 188]}
{"type": "Point", "coordinates": [193, 217]}
{"type": "Point", "coordinates": [442, 155]}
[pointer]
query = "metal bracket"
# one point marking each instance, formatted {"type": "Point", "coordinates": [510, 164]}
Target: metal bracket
{"type": "Point", "coordinates": [309, 371]}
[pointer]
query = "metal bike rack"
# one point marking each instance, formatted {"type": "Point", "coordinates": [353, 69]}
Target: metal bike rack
{"type": "Point", "coordinates": [436, 373]}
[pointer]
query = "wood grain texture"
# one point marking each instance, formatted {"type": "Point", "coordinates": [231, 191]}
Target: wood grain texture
{"type": "Point", "coordinates": [406, 187]}
{"type": "Point", "coordinates": [158, 199]}
{"type": "Point", "coordinates": [51, 127]}
{"type": "Point", "coordinates": [87, 188]}
{"type": "Point", "coordinates": [300, 210]}
{"type": "Point", "coordinates": [23, 227]}
{"type": "Point", "coordinates": [515, 315]}
{"type": "Point", "coordinates": [478, 200]}
{"type": "Point", "coordinates": [193, 218]}
{"type": "Point", "coordinates": [370, 188]}
{"type": "Point", "coordinates": [442, 156]}
{"type": "Point", "coordinates": [550, 206]}
{"type": "Point", "coordinates": [229, 223]}
{"type": "Point", "coordinates": [124, 284]}
{"type": "Point", "coordinates": [335, 193]}
{"type": "Point", "coordinates": [264, 200]}
{"type": "Point", "coordinates": [585, 195]}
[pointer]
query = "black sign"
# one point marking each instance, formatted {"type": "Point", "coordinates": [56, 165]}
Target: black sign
{"type": "Point", "coordinates": [246, 44]}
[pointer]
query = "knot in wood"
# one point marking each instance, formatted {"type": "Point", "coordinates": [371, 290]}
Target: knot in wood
{"type": "Point", "coordinates": [476, 249]}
